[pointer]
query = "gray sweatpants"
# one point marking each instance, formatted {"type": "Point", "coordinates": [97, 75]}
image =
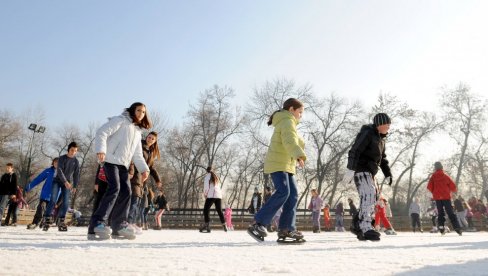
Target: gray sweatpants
{"type": "Point", "coordinates": [367, 190]}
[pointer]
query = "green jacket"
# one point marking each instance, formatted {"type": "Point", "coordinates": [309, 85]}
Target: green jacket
{"type": "Point", "coordinates": [286, 145]}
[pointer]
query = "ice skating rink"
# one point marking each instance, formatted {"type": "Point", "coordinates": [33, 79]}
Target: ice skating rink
{"type": "Point", "coordinates": [188, 252]}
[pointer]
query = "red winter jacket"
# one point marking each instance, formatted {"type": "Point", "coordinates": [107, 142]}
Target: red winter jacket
{"type": "Point", "coordinates": [441, 186]}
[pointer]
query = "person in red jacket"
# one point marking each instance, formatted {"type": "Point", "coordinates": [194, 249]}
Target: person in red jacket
{"type": "Point", "coordinates": [441, 186]}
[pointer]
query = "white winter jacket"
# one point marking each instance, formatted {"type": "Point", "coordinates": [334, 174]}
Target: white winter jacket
{"type": "Point", "coordinates": [209, 189]}
{"type": "Point", "coordinates": [120, 140]}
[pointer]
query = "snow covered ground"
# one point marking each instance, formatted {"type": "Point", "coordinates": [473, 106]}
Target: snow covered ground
{"type": "Point", "coordinates": [188, 252]}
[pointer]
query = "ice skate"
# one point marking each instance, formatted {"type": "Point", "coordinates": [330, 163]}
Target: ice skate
{"type": "Point", "coordinates": [354, 228]}
{"type": "Point", "coordinates": [257, 231]}
{"type": "Point", "coordinates": [125, 233]}
{"type": "Point", "coordinates": [62, 227]}
{"type": "Point", "coordinates": [285, 236]}
{"type": "Point", "coordinates": [100, 232]}
{"type": "Point", "coordinates": [442, 230]}
{"type": "Point", "coordinates": [137, 230]}
{"type": "Point", "coordinates": [370, 235]}
{"type": "Point", "coordinates": [459, 231]}
{"type": "Point", "coordinates": [46, 225]}
{"type": "Point", "coordinates": [31, 226]}
{"type": "Point", "coordinates": [205, 228]}
{"type": "Point", "coordinates": [224, 226]}
{"type": "Point", "coordinates": [390, 231]}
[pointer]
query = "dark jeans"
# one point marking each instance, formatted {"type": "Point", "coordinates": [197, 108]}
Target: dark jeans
{"type": "Point", "coordinates": [12, 211]}
{"type": "Point", "coordinates": [65, 196]}
{"type": "Point", "coordinates": [102, 188]}
{"type": "Point", "coordinates": [416, 220]}
{"type": "Point", "coordinates": [443, 207]}
{"type": "Point", "coordinates": [41, 209]}
{"type": "Point", "coordinates": [116, 199]}
{"type": "Point", "coordinates": [218, 207]}
{"type": "Point", "coordinates": [134, 208]}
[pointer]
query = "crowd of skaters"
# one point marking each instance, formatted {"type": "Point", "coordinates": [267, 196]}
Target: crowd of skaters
{"type": "Point", "coordinates": [123, 199]}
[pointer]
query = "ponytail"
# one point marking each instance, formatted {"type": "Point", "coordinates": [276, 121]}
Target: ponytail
{"type": "Point", "coordinates": [291, 102]}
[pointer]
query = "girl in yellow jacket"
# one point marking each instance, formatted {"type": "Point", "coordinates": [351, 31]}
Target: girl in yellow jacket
{"type": "Point", "coordinates": [285, 152]}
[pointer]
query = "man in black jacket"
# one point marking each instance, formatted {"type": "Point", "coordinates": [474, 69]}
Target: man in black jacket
{"type": "Point", "coordinates": [366, 157]}
{"type": "Point", "coordinates": [8, 188]}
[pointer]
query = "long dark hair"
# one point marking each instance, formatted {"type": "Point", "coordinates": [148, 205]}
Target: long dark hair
{"type": "Point", "coordinates": [291, 102]}
{"type": "Point", "coordinates": [154, 148]}
{"type": "Point", "coordinates": [145, 122]}
{"type": "Point", "coordinates": [214, 179]}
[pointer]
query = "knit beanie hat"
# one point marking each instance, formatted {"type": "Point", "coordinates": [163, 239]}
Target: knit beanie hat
{"type": "Point", "coordinates": [438, 166]}
{"type": "Point", "coordinates": [381, 119]}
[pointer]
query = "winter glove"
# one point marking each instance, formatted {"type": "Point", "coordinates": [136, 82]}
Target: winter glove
{"type": "Point", "coordinates": [389, 180]}
{"type": "Point", "coordinates": [348, 176]}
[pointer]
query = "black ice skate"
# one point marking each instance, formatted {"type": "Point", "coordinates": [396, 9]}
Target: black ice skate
{"type": "Point", "coordinates": [224, 226]}
{"type": "Point", "coordinates": [442, 230]}
{"type": "Point", "coordinates": [257, 232]}
{"type": "Point", "coordinates": [46, 225]}
{"type": "Point", "coordinates": [370, 235]}
{"type": "Point", "coordinates": [205, 228]}
{"type": "Point", "coordinates": [293, 237]}
{"type": "Point", "coordinates": [354, 228]}
{"type": "Point", "coordinates": [62, 227]}
{"type": "Point", "coordinates": [31, 226]}
{"type": "Point", "coordinates": [459, 231]}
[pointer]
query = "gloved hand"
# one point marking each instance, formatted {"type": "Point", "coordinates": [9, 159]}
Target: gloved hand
{"type": "Point", "coordinates": [389, 180]}
{"type": "Point", "coordinates": [348, 176]}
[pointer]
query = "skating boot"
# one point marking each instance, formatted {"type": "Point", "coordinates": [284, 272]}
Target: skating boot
{"type": "Point", "coordinates": [224, 226]}
{"type": "Point", "coordinates": [257, 231]}
{"type": "Point", "coordinates": [459, 231]}
{"type": "Point", "coordinates": [354, 228]}
{"type": "Point", "coordinates": [390, 231]}
{"type": "Point", "coordinates": [442, 230]}
{"type": "Point", "coordinates": [46, 225]}
{"type": "Point", "coordinates": [62, 227]}
{"type": "Point", "coordinates": [205, 228]}
{"type": "Point", "coordinates": [100, 232]}
{"type": "Point", "coordinates": [285, 236]}
{"type": "Point", "coordinates": [124, 233]}
{"type": "Point", "coordinates": [370, 235]}
{"type": "Point", "coordinates": [31, 226]}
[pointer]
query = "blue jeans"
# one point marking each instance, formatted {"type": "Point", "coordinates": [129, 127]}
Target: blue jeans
{"type": "Point", "coordinates": [65, 196]}
{"type": "Point", "coordinates": [116, 199]}
{"type": "Point", "coordinates": [134, 208]}
{"type": "Point", "coordinates": [3, 204]}
{"type": "Point", "coordinates": [285, 196]}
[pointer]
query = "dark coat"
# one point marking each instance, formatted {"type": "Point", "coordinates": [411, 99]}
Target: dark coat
{"type": "Point", "coordinates": [368, 152]}
{"type": "Point", "coordinates": [8, 184]}
{"type": "Point", "coordinates": [136, 182]}
{"type": "Point", "coordinates": [251, 208]}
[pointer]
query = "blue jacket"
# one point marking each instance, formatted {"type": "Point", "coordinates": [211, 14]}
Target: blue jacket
{"type": "Point", "coordinates": [48, 175]}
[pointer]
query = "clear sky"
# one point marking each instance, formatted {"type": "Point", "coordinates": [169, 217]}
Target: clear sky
{"type": "Point", "coordinates": [82, 61]}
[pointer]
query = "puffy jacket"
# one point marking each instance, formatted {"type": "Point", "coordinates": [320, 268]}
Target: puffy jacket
{"type": "Point", "coordinates": [368, 152]}
{"type": "Point", "coordinates": [441, 186]}
{"type": "Point", "coordinates": [48, 175]}
{"type": "Point", "coordinates": [120, 140]}
{"type": "Point", "coordinates": [286, 145]}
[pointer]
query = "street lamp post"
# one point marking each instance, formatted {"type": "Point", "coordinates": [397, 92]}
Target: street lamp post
{"type": "Point", "coordinates": [35, 129]}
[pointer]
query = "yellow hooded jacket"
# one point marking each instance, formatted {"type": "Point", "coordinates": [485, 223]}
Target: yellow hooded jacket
{"type": "Point", "coordinates": [286, 145]}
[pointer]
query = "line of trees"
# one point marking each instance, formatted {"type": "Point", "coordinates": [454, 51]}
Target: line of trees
{"type": "Point", "coordinates": [233, 139]}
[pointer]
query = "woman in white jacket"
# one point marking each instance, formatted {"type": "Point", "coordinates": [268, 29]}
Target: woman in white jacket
{"type": "Point", "coordinates": [117, 143]}
{"type": "Point", "coordinates": [213, 195]}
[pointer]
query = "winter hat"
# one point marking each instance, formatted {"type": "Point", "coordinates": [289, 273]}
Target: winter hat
{"type": "Point", "coordinates": [381, 119]}
{"type": "Point", "coordinates": [438, 166]}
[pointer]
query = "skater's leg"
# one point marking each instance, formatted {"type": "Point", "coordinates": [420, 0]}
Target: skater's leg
{"type": "Point", "coordinates": [367, 194]}
{"type": "Point", "coordinates": [288, 216]}
{"type": "Point", "coordinates": [452, 216]}
{"type": "Point", "coordinates": [66, 194]}
{"type": "Point", "coordinates": [109, 198]}
{"type": "Point", "coordinates": [120, 212]}
{"type": "Point", "coordinates": [441, 215]}
{"type": "Point", "coordinates": [218, 208]}
{"type": "Point", "coordinates": [133, 209]}
{"type": "Point", "coordinates": [206, 209]}
{"type": "Point", "coordinates": [276, 201]}
{"type": "Point", "coordinates": [41, 208]}
{"type": "Point", "coordinates": [54, 197]}
{"type": "Point", "coordinates": [3, 204]}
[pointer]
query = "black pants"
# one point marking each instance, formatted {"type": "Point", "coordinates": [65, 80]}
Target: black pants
{"type": "Point", "coordinates": [443, 207]}
{"type": "Point", "coordinates": [102, 188]}
{"type": "Point", "coordinates": [116, 201]}
{"type": "Point", "coordinates": [41, 208]}
{"type": "Point", "coordinates": [416, 221]}
{"type": "Point", "coordinates": [218, 207]}
{"type": "Point", "coordinates": [12, 211]}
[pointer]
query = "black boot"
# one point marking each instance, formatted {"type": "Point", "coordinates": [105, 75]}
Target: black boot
{"type": "Point", "coordinates": [224, 226]}
{"type": "Point", "coordinates": [62, 226]}
{"type": "Point", "coordinates": [205, 228]}
{"type": "Point", "coordinates": [46, 224]}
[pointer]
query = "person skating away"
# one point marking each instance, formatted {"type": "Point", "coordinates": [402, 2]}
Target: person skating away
{"type": "Point", "coordinates": [213, 196]}
{"type": "Point", "coordinates": [327, 217]}
{"type": "Point", "coordinates": [8, 187]}
{"type": "Point", "coordinates": [316, 207]}
{"type": "Point", "coordinates": [162, 205]}
{"type": "Point", "coordinates": [339, 217]}
{"type": "Point", "coordinates": [150, 151]}
{"type": "Point", "coordinates": [64, 183]}
{"type": "Point", "coordinates": [460, 212]}
{"type": "Point", "coordinates": [117, 144]}
{"type": "Point", "coordinates": [414, 212]}
{"type": "Point", "coordinates": [441, 186]}
{"type": "Point", "coordinates": [47, 177]}
{"type": "Point", "coordinates": [256, 202]}
{"type": "Point", "coordinates": [228, 218]}
{"type": "Point", "coordinates": [380, 217]}
{"type": "Point", "coordinates": [16, 203]}
{"type": "Point", "coordinates": [285, 152]}
{"type": "Point", "coordinates": [365, 158]}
